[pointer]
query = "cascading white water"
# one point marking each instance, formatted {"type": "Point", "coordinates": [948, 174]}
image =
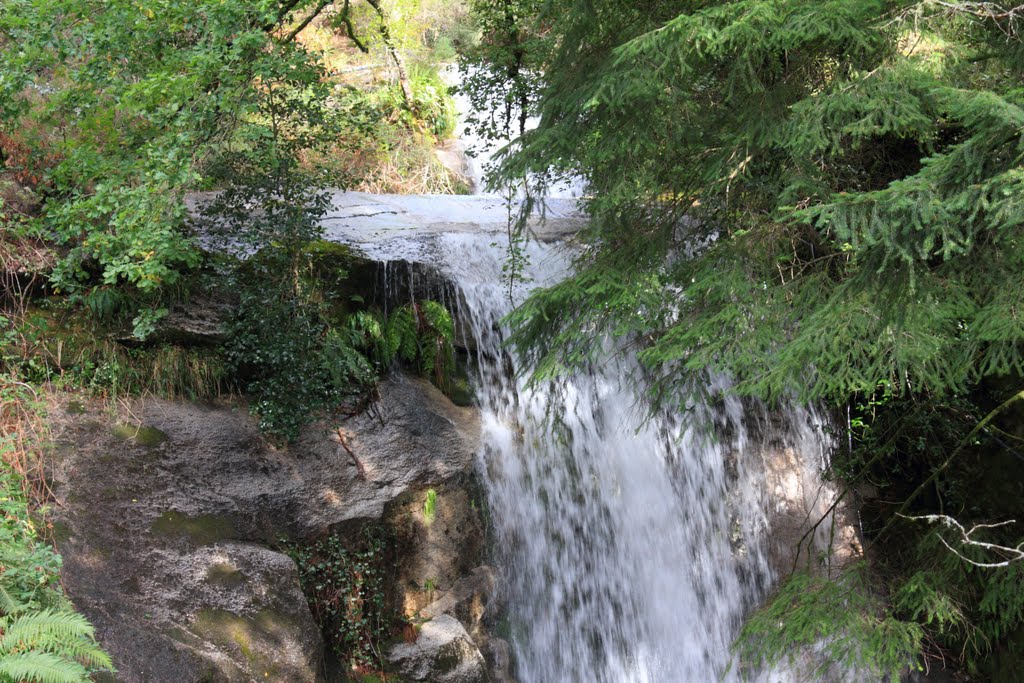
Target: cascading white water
{"type": "Point", "coordinates": [631, 547]}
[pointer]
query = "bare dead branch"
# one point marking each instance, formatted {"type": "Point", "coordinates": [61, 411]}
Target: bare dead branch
{"type": "Point", "coordinates": [1012, 554]}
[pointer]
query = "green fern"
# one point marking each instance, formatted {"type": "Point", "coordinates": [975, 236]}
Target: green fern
{"type": "Point", "coordinates": [41, 639]}
{"type": "Point", "coordinates": [422, 335]}
{"type": "Point", "coordinates": [402, 334]}
{"type": "Point", "coordinates": [40, 667]}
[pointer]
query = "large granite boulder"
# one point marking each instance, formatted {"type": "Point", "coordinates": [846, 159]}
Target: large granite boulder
{"type": "Point", "coordinates": [168, 515]}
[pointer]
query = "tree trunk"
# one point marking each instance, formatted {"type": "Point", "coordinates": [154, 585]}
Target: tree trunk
{"type": "Point", "coordinates": [385, 33]}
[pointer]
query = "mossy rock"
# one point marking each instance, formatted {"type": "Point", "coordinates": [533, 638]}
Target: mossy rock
{"type": "Point", "coordinates": [225, 574]}
{"type": "Point", "coordinates": [460, 392]}
{"type": "Point", "coordinates": [255, 638]}
{"type": "Point", "coordinates": [204, 529]}
{"type": "Point", "coordinates": [105, 677]}
{"type": "Point", "coordinates": [62, 531]}
{"type": "Point", "coordinates": [150, 437]}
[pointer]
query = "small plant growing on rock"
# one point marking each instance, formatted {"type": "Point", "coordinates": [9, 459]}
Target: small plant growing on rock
{"type": "Point", "coordinates": [41, 638]}
{"type": "Point", "coordinates": [430, 506]}
{"type": "Point", "coordinates": [345, 587]}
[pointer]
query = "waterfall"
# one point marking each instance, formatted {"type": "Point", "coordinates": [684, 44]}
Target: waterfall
{"type": "Point", "coordinates": [631, 546]}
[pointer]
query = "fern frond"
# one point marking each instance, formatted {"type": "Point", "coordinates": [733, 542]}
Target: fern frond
{"type": "Point", "coordinates": [439, 319]}
{"type": "Point", "coordinates": [8, 603]}
{"type": "Point", "coordinates": [45, 630]}
{"type": "Point", "coordinates": [41, 667]}
{"type": "Point", "coordinates": [83, 650]}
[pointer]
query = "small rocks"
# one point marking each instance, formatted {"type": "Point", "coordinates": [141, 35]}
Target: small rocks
{"type": "Point", "coordinates": [443, 653]}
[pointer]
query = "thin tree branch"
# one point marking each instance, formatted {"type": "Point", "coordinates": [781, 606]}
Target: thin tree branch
{"type": "Point", "coordinates": [385, 34]}
{"type": "Point", "coordinates": [956, 451]}
{"type": "Point", "coordinates": [350, 29]}
{"type": "Point", "coordinates": [1015, 553]}
{"type": "Point", "coordinates": [308, 20]}
{"type": "Point", "coordinates": [282, 14]}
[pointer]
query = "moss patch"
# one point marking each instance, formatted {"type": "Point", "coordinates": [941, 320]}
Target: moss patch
{"type": "Point", "coordinates": [224, 574]}
{"type": "Point", "coordinates": [460, 393]}
{"type": "Point", "coordinates": [150, 437]}
{"type": "Point", "coordinates": [62, 531]}
{"type": "Point", "coordinates": [448, 659]}
{"type": "Point", "coordinates": [204, 529]}
{"type": "Point", "coordinates": [256, 639]}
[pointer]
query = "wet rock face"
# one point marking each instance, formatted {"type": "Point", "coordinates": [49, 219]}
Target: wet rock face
{"type": "Point", "coordinates": [167, 517]}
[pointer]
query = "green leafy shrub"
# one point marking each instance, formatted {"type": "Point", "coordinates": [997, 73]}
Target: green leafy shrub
{"type": "Point", "coordinates": [297, 360]}
{"type": "Point", "coordinates": [432, 103]}
{"type": "Point", "coordinates": [432, 107]}
{"type": "Point", "coordinates": [345, 586]}
{"type": "Point", "coordinates": [276, 346]}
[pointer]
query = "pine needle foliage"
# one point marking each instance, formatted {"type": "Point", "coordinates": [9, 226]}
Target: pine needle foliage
{"type": "Point", "coordinates": [804, 191]}
{"type": "Point", "coordinates": [843, 616]}
{"type": "Point", "coordinates": [822, 200]}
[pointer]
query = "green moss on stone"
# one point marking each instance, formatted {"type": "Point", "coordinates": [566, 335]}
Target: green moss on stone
{"type": "Point", "coordinates": [204, 529]}
{"type": "Point", "coordinates": [150, 437]}
{"type": "Point", "coordinates": [62, 531]}
{"type": "Point", "coordinates": [460, 393]}
{"type": "Point", "coordinates": [448, 659]}
{"type": "Point", "coordinates": [224, 574]}
{"type": "Point", "coordinates": [245, 636]}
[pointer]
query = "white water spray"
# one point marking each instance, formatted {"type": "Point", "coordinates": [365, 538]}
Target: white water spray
{"type": "Point", "coordinates": [631, 548]}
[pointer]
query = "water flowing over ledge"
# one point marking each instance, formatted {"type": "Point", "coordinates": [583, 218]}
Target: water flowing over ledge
{"type": "Point", "coordinates": [631, 547]}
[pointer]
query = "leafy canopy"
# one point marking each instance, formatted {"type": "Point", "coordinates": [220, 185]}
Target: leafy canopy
{"type": "Point", "coordinates": [128, 106]}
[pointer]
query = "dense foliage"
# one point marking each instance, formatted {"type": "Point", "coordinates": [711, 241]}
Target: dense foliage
{"type": "Point", "coordinates": [345, 586]}
{"type": "Point", "coordinates": [852, 163]}
{"type": "Point", "coordinates": [111, 112]}
{"type": "Point", "coordinates": [824, 201]}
